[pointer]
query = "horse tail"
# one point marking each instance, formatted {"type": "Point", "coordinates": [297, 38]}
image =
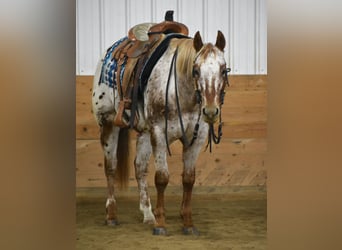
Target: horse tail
{"type": "Point", "coordinates": [123, 156]}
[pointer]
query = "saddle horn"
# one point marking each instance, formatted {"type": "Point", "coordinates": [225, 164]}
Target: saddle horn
{"type": "Point", "coordinates": [169, 15]}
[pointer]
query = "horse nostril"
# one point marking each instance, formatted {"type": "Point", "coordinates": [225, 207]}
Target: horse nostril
{"type": "Point", "coordinates": [204, 111]}
{"type": "Point", "coordinates": [217, 111]}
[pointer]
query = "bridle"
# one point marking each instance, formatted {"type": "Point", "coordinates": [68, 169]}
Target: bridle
{"type": "Point", "coordinates": [216, 138]}
{"type": "Point", "coordinates": [212, 136]}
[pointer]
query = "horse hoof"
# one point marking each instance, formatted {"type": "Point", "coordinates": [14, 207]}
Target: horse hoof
{"type": "Point", "coordinates": [112, 223]}
{"type": "Point", "coordinates": [190, 231]}
{"type": "Point", "coordinates": [159, 231]}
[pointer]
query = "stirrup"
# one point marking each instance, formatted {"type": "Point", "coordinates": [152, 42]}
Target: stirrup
{"type": "Point", "coordinates": [121, 118]}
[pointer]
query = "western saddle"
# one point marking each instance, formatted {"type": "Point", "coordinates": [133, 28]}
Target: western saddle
{"type": "Point", "coordinates": [132, 54]}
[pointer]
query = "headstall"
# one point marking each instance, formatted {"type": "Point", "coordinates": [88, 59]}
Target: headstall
{"type": "Point", "coordinates": [212, 136]}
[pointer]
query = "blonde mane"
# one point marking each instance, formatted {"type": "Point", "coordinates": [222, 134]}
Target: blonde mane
{"type": "Point", "coordinates": [187, 54]}
{"type": "Point", "coordinates": [185, 57]}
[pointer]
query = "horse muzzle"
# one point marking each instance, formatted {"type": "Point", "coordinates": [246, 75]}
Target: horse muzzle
{"type": "Point", "coordinates": [211, 114]}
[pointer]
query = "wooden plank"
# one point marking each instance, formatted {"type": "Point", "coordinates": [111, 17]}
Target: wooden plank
{"type": "Point", "coordinates": [86, 127]}
{"type": "Point", "coordinates": [225, 170]}
{"type": "Point", "coordinates": [89, 164]}
{"type": "Point", "coordinates": [247, 82]}
{"type": "Point", "coordinates": [228, 146]}
{"type": "Point", "coordinates": [84, 85]}
{"type": "Point", "coordinates": [248, 130]}
{"type": "Point", "coordinates": [85, 131]}
{"type": "Point", "coordinates": [243, 115]}
{"type": "Point", "coordinates": [233, 162]}
{"type": "Point", "coordinates": [240, 82]}
{"type": "Point", "coordinates": [256, 98]}
{"type": "Point", "coordinates": [241, 146]}
{"type": "Point", "coordinates": [237, 82]}
{"type": "Point", "coordinates": [230, 129]}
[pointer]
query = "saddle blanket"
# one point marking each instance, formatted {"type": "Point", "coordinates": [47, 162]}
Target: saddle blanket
{"type": "Point", "coordinates": [109, 66]}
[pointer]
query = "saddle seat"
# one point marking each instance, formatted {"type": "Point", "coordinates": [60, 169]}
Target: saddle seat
{"type": "Point", "coordinates": [169, 26]}
{"type": "Point", "coordinates": [142, 40]}
{"type": "Point", "coordinates": [145, 34]}
{"type": "Point", "coordinates": [140, 32]}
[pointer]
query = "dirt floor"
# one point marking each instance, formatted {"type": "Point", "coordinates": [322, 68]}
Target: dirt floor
{"type": "Point", "coordinates": [227, 218]}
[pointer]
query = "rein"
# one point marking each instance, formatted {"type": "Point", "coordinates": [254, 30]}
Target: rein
{"type": "Point", "coordinates": [198, 98]}
{"type": "Point", "coordinates": [212, 136]}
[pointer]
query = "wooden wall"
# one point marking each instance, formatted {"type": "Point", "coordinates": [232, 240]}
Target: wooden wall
{"type": "Point", "coordinates": [237, 160]}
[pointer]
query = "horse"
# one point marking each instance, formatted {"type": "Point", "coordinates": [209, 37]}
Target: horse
{"type": "Point", "coordinates": [182, 100]}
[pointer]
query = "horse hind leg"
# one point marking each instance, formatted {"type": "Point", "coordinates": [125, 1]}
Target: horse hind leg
{"type": "Point", "coordinates": [109, 141]}
{"type": "Point", "coordinates": [104, 101]}
{"type": "Point", "coordinates": [102, 106]}
{"type": "Point", "coordinates": [144, 150]}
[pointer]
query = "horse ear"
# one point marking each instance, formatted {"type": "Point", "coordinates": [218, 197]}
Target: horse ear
{"type": "Point", "coordinates": [198, 44]}
{"type": "Point", "coordinates": [220, 41]}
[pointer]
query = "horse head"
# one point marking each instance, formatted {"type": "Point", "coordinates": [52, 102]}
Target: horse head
{"type": "Point", "coordinates": [210, 75]}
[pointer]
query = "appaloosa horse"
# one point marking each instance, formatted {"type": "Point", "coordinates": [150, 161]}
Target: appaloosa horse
{"type": "Point", "coordinates": [182, 101]}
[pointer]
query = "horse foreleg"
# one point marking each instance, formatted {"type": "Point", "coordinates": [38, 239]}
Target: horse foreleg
{"type": "Point", "coordinates": [144, 150]}
{"type": "Point", "coordinates": [161, 179]}
{"type": "Point", "coordinates": [109, 140]}
{"type": "Point", "coordinates": [190, 156]}
{"type": "Point", "coordinates": [188, 180]}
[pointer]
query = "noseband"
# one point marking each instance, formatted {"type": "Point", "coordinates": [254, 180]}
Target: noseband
{"type": "Point", "coordinates": [211, 133]}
